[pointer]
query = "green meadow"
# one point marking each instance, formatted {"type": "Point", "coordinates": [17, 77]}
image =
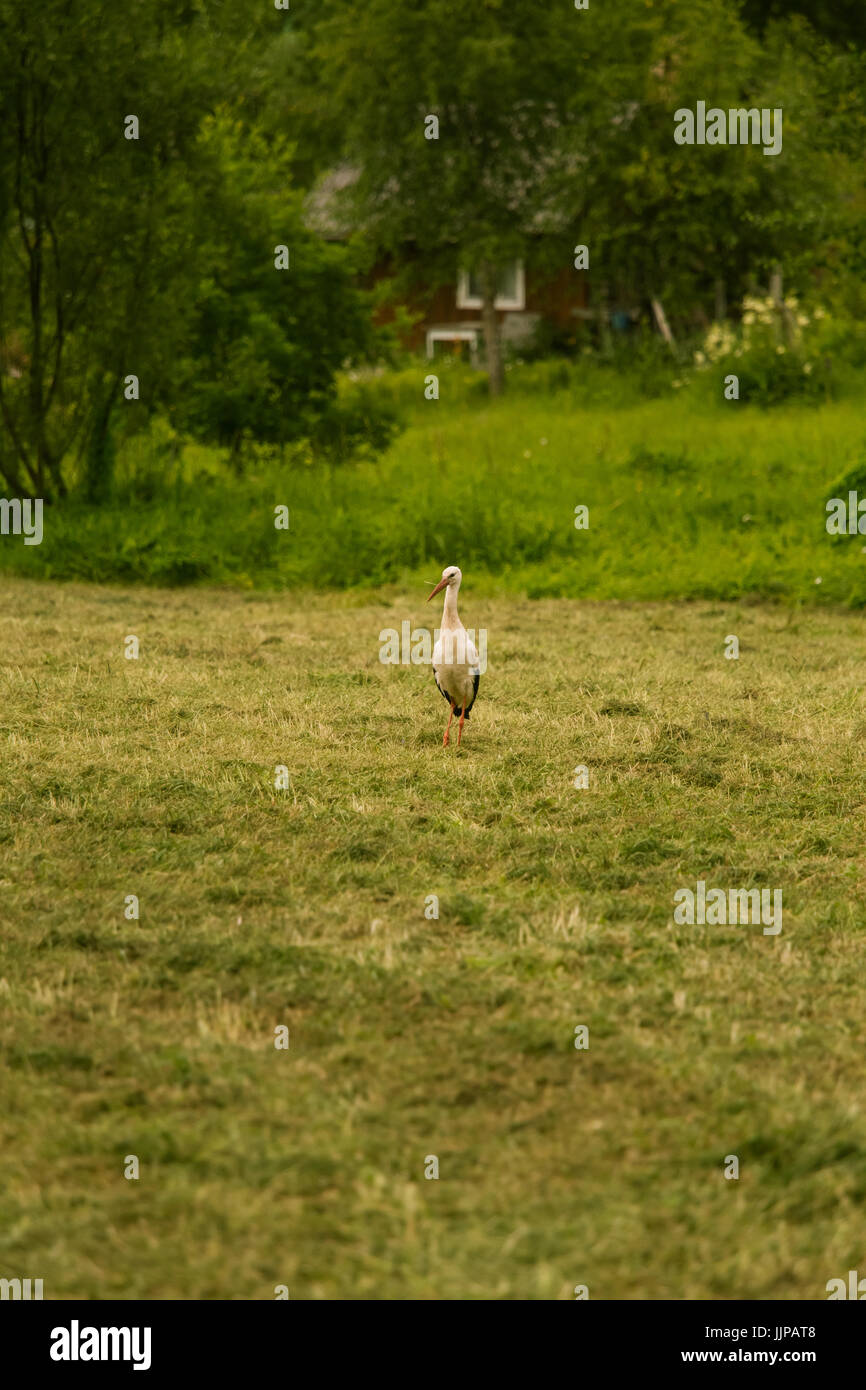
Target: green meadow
{"type": "Point", "coordinates": [413, 1036]}
{"type": "Point", "coordinates": [308, 906]}
{"type": "Point", "coordinates": [296, 1002]}
{"type": "Point", "coordinates": [688, 497]}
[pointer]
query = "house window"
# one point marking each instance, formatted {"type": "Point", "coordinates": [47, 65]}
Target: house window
{"type": "Point", "coordinates": [455, 334]}
{"type": "Point", "coordinates": [510, 291]}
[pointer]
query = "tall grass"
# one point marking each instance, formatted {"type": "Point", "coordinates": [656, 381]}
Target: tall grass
{"type": "Point", "coordinates": [687, 498]}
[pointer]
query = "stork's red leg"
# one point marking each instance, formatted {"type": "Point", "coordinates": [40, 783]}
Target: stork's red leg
{"type": "Point", "coordinates": [460, 725]}
{"type": "Point", "coordinates": [447, 727]}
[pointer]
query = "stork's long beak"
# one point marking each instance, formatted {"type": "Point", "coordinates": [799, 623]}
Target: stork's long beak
{"type": "Point", "coordinates": [440, 585]}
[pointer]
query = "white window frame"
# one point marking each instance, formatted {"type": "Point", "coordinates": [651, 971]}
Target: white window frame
{"type": "Point", "coordinates": [465, 300]}
{"type": "Point", "coordinates": [452, 335]}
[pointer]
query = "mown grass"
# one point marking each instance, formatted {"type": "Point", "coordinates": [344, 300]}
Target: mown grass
{"type": "Point", "coordinates": [412, 1037]}
{"type": "Point", "coordinates": [686, 499]}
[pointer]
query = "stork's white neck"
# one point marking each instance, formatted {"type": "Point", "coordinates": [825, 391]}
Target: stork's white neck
{"type": "Point", "coordinates": [449, 610]}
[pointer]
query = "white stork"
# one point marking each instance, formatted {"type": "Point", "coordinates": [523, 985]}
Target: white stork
{"type": "Point", "coordinates": [455, 660]}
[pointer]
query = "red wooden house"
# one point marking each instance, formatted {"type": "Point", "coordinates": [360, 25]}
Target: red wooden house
{"type": "Point", "coordinates": [447, 317]}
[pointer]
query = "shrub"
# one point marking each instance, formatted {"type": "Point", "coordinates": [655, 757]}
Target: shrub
{"type": "Point", "coordinates": [360, 424]}
{"type": "Point", "coordinates": [769, 353]}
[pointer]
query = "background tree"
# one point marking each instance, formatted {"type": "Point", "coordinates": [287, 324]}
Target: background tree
{"type": "Point", "coordinates": [150, 257]}
{"type": "Point", "coordinates": [841, 21]}
{"type": "Point", "coordinates": [561, 122]}
{"type": "Point", "coordinates": [263, 345]}
{"type": "Point", "coordinates": [503, 81]}
{"type": "Point", "coordinates": [93, 226]}
{"type": "Point", "coordinates": [695, 225]}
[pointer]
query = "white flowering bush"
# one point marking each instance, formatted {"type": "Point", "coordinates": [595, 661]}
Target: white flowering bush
{"type": "Point", "coordinates": [769, 350]}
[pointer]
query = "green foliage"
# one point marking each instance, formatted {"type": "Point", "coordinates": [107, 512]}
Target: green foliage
{"type": "Point", "coordinates": [94, 227]}
{"type": "Point", "coordinates": [853, 479]}
{"type": "Point", "coordinates": [561, 124]}
{"type": "Point", "coordinates": [152, 257]}
{"type": "Point", "coordinates": [839, 20]}
{"type": "Point", "coordinates": [676, 220]}
{"type": "Point", "coordinates": [769, 379]}
{"type": "Point", "coordinates": [775, 352]}
{"type": "Point", "coordinates": [361, 424]}
{"type": "Point", "coordinates": [687, 497]}
{"type": "Point", "coordinates": [501, 82]}
{"type": "Point", "coordinates": [155, 257]}
{"type": "Point", "coordinates": [265, 343]}
{"type": "Point", "coordinates": [498, 78]}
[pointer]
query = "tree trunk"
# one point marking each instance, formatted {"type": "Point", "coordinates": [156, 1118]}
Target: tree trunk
{"type": "Point", "coordinates": [785, 318]}
{"type": "Point", "coordinates": [490, 327]}
{"type": "Point", "coordinates": [721, 301]}
{"type": "Point", "coordinates": [99, 459]}
{"type": "Point", "coordinates": [661, 320]}
{"type": "Point", "coordinates": [605, 337]}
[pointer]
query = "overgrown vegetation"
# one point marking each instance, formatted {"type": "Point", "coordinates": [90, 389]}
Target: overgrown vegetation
{"type": "Point", "coordinates": [165, 261]}
{"type": "Point", "coordinates": [154, 254]}
{"type": "Point", "coordinates": [689, 496]}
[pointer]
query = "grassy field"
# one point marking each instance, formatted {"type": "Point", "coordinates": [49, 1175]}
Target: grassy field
{"type": "Point", "coordinates": [686, 499]}
{"type": "Point", "coordinates": [412, 1037]}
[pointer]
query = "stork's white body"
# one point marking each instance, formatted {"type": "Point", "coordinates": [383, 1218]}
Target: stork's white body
{"type": "Point", "coordinates": [455, 659]}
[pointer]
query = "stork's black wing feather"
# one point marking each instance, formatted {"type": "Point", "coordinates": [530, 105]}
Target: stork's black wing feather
{"type": "Point", "coordinates": [475, 684]}
{"type": "Point", "coordinates": [439, 688]}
